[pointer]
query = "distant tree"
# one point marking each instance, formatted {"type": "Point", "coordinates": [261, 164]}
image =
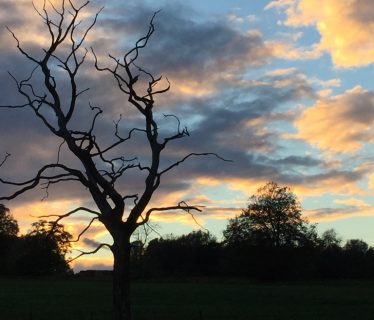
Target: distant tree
{"type": "Point", "coordinates": [198, 238]}
{"type": "Point", "coordinates": [330, 239]}
{"type": "Point", "coordinates": [355, 258]}
{"type": "Point", "coordinates": [330, 260]}
{"type": "Point", "coordinates": [140, 239]}
{"type": "Point", "coordinates": [42, 251]}
{"type": "Point", "coordinates": [54, 232]}
{"type": "Point", "coordinates": [272, 218]}
{"type": "Point", "coordinates": [238, 231]}
{"type": "Point", "coordinates": [196, 253]}
{"type": "Point", "coordinates": [8, 235]}
{"type": "Point", "coordinates": [356, 246]}
{"type": "Point", "coordinates": [8, 225]}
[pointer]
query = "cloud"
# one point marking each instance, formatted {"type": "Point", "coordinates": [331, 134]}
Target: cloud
{"type": "Point", "coordinates": [329, 214]}
{"type": "Point", "coordinates": [93, 243]}
{"type": "Point", "coordinates": [189, 46]}
{"type": "Point", "coordinates": [279, 4]}
{"type": "Point", "coordinates": [93, 263]}
{"type": "Point", "coordinates": [291, 51]}
{"type": "Point", "coordinates": [345, 27]}
{"type": "Point", "coordinates": [235, 125]}
{"type": "Point", "coordinates": [351, 207]}
{"type": "Point", "coordinates": [342, 123]}
{"type": "Point", "coordinates": [239, 19]}
{"type": "Point", "coordinates": [304, 161]}
{"type": "Point", "coordinates": [227, 111]}
{"type": "Point", "coordinates": [343, 182]}
{"type": "Point", "coordinates": [30, 211]}
{"type": "Point", "coordinates": [352, 202]}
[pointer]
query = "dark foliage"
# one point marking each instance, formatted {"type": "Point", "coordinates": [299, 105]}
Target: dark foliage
{"type": "Point", "coordinates": [269, 241]}
{"type": "Point", "coordinates": [197, 253]}
{"type": "Point", "coordinates": [36, 255]}
{"type": "Point", "coordinates": [40, 252]}
{"type": "Point", "coordinates": [8, 225]}
{"type": "Point", "coordinates": [272, 219]}
{"type": "Point", "coordinates": [8, 235]}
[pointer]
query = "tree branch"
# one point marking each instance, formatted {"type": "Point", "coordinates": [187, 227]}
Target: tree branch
{"type": "Point", "coordinates": [62, 216]}
{"type": "Point", "coordinates": [7, 155]}
{"type": "Point", "coordinates": [32, 183]}
{"type": "Point", "coordinates": [192, 154]}
{"type": "Point", "coordinates": [181, 206]}
{"type": "Point", "coordinates": [84, 230]}
{"type": "Point", "coordinates": [83, 253]}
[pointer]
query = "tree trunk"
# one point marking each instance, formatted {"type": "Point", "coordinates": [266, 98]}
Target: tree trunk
{"type": "Point", "coordinates": [121, 279]}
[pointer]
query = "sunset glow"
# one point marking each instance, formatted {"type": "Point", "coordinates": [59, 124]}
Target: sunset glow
{"type": "Point", "coordinates": [283, 89]}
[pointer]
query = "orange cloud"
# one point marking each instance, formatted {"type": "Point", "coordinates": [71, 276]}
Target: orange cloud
{"type": "Point", "coordinates": [28, 213]}
{"type": "Point", "coordinates": [104, 262]}
{"type": "Point", "coordinates": [32, 28]}
{"type": "Point", "coordinates": [351, 208]}
{"type": "Point", "coordinates": [353, 202]}
{"type": "Point", "coordinates": [189, 87]}
{"type": "Point", "coordinates": [371, 182]}
{"type": "Point", "coordinates": [342, 123]}
{"type": "Point", "coordinates": [346, 27]}
{"type": "Point", "coordinates": [291, 52]}
{"type": "Point", "coordinates": [245, 187]}
{"type": "Point", "coordinates": [338, 184]}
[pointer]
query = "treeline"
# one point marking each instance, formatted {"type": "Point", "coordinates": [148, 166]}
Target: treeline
{"type": "Point", "coordinates": [40, 252]}
{"type": "Point", "coordinates": [200, 254]}
{"type": "Point", "coordinates": [269, 240]}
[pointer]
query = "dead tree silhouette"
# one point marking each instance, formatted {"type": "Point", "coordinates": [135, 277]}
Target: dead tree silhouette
{"type": "Point", "coordinates": [99, 171]}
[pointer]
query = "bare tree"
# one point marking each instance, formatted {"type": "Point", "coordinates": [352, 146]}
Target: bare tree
{"type": "Point", "coordinates": [99, 171]}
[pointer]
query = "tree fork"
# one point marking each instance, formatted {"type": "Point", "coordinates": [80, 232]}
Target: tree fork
{"type": "Point", "coordinates": [101, 172]}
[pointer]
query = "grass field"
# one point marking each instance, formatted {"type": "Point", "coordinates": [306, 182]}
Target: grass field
{"type": "Point", "coordinates": [90, 299]}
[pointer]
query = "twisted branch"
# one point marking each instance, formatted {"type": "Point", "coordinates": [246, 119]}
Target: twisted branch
{"type": "Point", "coordinates": [181, 206]}
{"type": "Point", "coordinates": [83, 253]}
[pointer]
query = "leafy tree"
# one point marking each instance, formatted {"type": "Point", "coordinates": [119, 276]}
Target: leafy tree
{"type": "Point", "coordinates": [102, 165]}
{"type": "Point", "coordinates": [356, 246]}
{"type": "Point", "coordinates": [41, 251]}
{"type": "Point", "coordinates": [272, 218]}
{"type": "Point", "coordinates": [8, 225]}
{"type": "Point", "coordinates": [355, 258]}
{"type": "Point", "coordinates": [55, 232]}
{"type": "Point", "coordinates": [140, 239]}
{"type": "Point", "coordinates": [196, 253]}
{"type": "Point", "coordinates": [8, 235]}
{"type": "Point", "coordinates": [330, 239]}
{"type": "Point", "coordinates": [238, 231]}
{"type": "Point", "coordinates": [198, 238]}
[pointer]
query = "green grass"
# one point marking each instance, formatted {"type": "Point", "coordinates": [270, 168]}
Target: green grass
{"type": "Point", "coordinates": [200, 299]}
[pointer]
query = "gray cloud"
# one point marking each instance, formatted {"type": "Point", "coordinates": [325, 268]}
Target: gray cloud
{"type": "Point", "coordinates": [304, 161]}
{"type": "Point", "coordinates": [92, 243]}
{"type": "Point", "coordinates": [363, 10]}
{"type": "Point", "coordinates": [359, 107]}
{"type": "Point", "coordinates": [184, 47]}
{"type": "Point", "coordinates": [224, 121]}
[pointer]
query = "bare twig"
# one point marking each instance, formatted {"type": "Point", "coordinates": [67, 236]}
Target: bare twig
{"type": "Point", "coordinates": [181, 206]}
{"type": "Point", "coordinates": [83, 253]}
{"type": "Point", "coordinates": [192, 154]}
{"type": "Point", "coordinates": [7, 155]}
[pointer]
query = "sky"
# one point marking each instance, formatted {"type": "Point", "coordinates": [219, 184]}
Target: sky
{"type": "Point", "coordinates": [282, 88]}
